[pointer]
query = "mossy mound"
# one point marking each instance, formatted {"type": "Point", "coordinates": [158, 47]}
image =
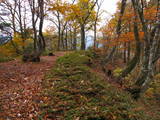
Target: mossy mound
{"type": "Point", "coordinates": [73, 92]}
{"type": "Point", "coordinates": [73, 59]}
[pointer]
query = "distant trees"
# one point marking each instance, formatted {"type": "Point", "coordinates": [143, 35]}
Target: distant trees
{"type": "Point", "coordinates": [97, 17]}
{"type": "Point", "coordinates": [58, 10]}
{"type": "Point", "coordinates": [85, 8]}
{"type": "Point", "coordinates": [72, 19]}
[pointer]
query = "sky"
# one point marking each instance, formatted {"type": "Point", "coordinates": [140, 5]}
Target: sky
{"type": "Point", "coordinates": [110, 7]}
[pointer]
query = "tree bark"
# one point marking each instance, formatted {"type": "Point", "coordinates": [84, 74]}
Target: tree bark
{"type": "Point", "coordinates": [41, 41]}
{"type": "Point", "coordinates": [66, 40]}
{"type": "Point", "coordinates": [95, 34]}
{"type": "Point", "coordinates": [150, 40]}
{"type": "Point", "coordinates": [59, 32]}
{"type": "Point", "coordinates": [125, 53]}
{"type": "Point", "coordinates": [75, 39]}
{"type": "Point", "coordinates": [129, 52]}
{"type": "Point", "coordinates": [83, 43]}
{"type": "Point", "coordinates": [62, 40]}
{"type": "Point", "coordinates": [21, 25]}
{"type": "Point", "coordinates": [118, 32]}
{"type": "Point", "coordinates": [34, 22]}
{"type": "Point", "coordinates": [132, 64]}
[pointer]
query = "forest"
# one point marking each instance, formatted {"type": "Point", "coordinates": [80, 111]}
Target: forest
{"type": "Point", "coordinates": [63, 60]}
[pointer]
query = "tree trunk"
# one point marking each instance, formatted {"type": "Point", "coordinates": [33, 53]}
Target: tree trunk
{"type": "Point", "coordinates": [71, 39]}
{"type": "Point", "coordinates": [35, 37]}
{"type": "Point", "coordinates": [128, 52]}
{"type": "Point", "coordinates": [83, 43]}
{"type": "Point", "coordinates": [75, 40]}
{"type": "Point", "coordinates": [124, 53]}
{"type": "Point", "coordinates": [42, 43]}
{"type": "Point", "coordinates": [118, 32]}
{"type": "Point", "coordinates": [62, 40]}
{"type": "Point", "coordinates": [132, 64]}
{"type": "Point", "coordinates": [66, 40]}
{"type": "Point", "coordinates": [150, 43]}
{"type": "Point", "coordinates": [21, 25]}
{"type": "Point", "coordinates": [59, 38]}
{"type": "Point", "coordinates": [59, 32]}
{"type": "Point", "coordinates": [95, 34]}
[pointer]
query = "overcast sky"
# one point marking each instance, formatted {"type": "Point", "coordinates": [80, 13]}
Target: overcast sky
{"type": "Point", "coordinates": [110, 7]}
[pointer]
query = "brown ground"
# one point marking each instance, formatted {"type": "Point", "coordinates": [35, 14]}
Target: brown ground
{"type": "Point", "coordinates": [20, 84]}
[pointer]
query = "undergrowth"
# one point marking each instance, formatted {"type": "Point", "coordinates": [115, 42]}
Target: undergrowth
{"type": "Point", "coordinates": [5, 58]}
{"type": "Point", "coordinates": [73, 92]}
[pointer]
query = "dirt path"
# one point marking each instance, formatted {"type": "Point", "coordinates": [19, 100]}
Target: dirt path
{"type": "Point", "coordinates": [20, 84]}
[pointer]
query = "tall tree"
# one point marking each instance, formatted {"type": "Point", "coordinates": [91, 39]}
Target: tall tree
{"type": "Point", "coordinates": [83, 11]}
{"type": "Point", "coordinates": [98, 13]}
{"type": "Point", "coordinates": [59, 11]}
{"type": "Point", "coordinates": [32, 4]}
{"type": "Point", "coordinates": [151, 53]}
{"type": "Point", "coordinates": [118, 32]}
{"type": "Point", "coordinates": [37, 12]}
{"type": "Point", "coordinates": [41, 39]}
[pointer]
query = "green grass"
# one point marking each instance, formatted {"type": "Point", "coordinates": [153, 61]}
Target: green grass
{"type": "Point", "coordinates": [72, 91]}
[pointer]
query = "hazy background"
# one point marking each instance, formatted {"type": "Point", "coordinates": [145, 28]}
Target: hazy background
{"type": "Point", "coordinates": [109, 8]}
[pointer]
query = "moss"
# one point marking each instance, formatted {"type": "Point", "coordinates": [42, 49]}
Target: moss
{"type": "Point", "coordinates": [73, 59]}
{"type": "Point", "coordinates": [117, 72]}
{"type": "Point", "coordinates": [5, 59]}
{"type": "Point", "coordinates": [77, 93]}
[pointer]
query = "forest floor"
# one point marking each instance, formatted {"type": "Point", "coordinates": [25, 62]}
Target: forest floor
{"type": "Point", "coordinates": [20, 84]}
